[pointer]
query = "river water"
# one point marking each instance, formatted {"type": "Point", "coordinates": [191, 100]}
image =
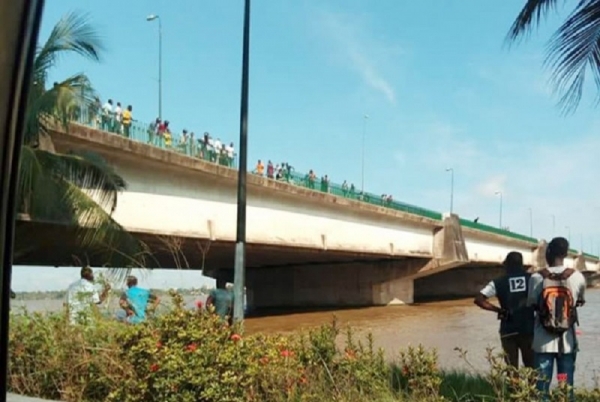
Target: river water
{"type": "Point", "coordinates": [441, 325]}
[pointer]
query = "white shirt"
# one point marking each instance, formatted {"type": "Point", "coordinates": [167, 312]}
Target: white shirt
{"type": "Point", "coordinates": [218, 145]}
{"type": "Point", "coordinates": [118, 113]}
{"type": "Point", "coordinates": [81, 296]}
{"type": "Point", "coordinates": [543, 341]}
{"type": "Point", "coordinates": [107, 108]}
{"type": "Point", "coordinates": [229, 150]}
{"type": "Point", "coordinates": [489, 290]}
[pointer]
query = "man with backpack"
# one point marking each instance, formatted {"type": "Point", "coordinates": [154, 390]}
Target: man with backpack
{"type": "Point", "coordinates": [516, 318]}
{"type": "Point", "coordinates": [555, 293]}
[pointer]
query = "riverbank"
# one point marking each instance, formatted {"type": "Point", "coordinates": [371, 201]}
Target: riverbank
{"type": "Point", "coordinates": [186, 355]}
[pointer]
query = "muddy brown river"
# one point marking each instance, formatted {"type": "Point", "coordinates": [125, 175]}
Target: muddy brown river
{"type": "Point", "coordinates": [441, 325]}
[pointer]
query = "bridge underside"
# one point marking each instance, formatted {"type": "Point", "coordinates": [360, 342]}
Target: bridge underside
{"type": "Point", "coordinates": [276, 276]}
{"type": "Point", "coordinates": [48, 244]}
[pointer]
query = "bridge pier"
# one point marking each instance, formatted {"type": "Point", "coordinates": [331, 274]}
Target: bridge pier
{"type": "Point", "coordinates": [343, 285]}
{"type": "Point", "coordinates": [366, 283]}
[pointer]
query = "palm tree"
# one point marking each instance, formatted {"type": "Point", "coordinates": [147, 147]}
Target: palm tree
{"type": "Point", "coordinates": [77, 188]}
{"type": "Point", "coordinates": [573, 49]}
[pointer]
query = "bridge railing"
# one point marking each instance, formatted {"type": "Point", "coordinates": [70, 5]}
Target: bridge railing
{"type": "Point", "coordinates": [141, 132]}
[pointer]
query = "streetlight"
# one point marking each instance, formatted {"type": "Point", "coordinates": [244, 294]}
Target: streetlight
{"type": "Point", "coordinates": [500, 194]}
{"type": "Point", "coordinates": [569, 231]}
{"type": "Point", "coordinates": [451, 170]}
{"type": "Point", "coordinates": [362, 186]}
{"type": "Point", "coordinates": [239, 263]}
{"type": "Point", "coordinates": [530, 222]}
{"type": "Point", "coordinates": [153, 17]}
{"type": "Point", "coordinates": [553, 225]}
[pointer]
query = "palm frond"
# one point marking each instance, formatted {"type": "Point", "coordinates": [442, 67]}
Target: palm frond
{"type": "Point", "coordinates": [530, 15]}
{"type": "Point", "coordinates": [92, 175]}
{"type": "Point", "coordinates": [73, 33]}
{"type": "Point", "coordinates": [30, 171]}
{"type": "Point", "coordinates": [106, 233]}
{"type": "Point", "coordinates": [574, 49]}
{"type": "Point", "coordinates": [57, 106]}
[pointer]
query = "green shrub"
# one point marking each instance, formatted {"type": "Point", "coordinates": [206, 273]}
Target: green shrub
{"type": "Point", "coordinates": [187, 355]}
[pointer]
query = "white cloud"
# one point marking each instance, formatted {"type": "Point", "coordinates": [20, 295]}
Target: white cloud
{"type": "Point", "coordinates": [490, 186]}
{"type": "Point", "coordinates": [553, 179]}
{"type": "Point", "coordinates": [358, 48]}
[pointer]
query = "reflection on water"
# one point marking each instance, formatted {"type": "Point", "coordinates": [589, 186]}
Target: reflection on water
{"type": "Point", "coordinates": [440, 325]}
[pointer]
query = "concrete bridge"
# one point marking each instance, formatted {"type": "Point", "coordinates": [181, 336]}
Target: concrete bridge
{"type": "Point", "coordinates": [305, 247]}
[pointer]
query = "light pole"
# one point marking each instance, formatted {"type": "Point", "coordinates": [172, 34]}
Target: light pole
{"type": "Point", "coordinates": [153, 17]}
{"type": "Point", "coordinates": [553, 225]}
{"type": "Point", "coordinates": [451, 170]}
{"type": "Point", "coordinates": [500, 194]}
{"type": "Point", "coordinates": [240, 243]}
{"type": "Point", "coordinates": [362, 185]}
{"type": "Point", "coordinates": [569, 231]}
{"type": "Point", "coordinates": [530, 222]}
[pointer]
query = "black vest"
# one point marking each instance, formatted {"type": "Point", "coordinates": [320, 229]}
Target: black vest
{"type": "Point", "coordinates": [512, 290]}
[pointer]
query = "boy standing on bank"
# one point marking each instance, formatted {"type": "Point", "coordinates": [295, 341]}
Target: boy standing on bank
{"type": "Point", "coordinates": [555, 293]}
{"type": "Point", "coordinates": [516, 317]}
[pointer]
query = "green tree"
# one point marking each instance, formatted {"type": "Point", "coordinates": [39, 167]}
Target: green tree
{"type": "Point", "coordinates": [74, 188]}
{"type": "Point", "coordinates": [573, 50]}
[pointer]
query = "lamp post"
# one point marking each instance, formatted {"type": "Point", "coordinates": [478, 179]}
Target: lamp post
{"type": "Point", "coordinates": [239, 263]}
{"type": "Point", "coordinates": [500, 194]}
{"type": "Point", "coordinates": [530, 222]}
{"type": "Point", "coordinates": [553, 225]}
{"type": "Point", "coordinates": [451, 170]}
{"type": "Point", "coordinates": [362, 185]}
{"type": "Point", "coordinates": [153, 17]}
{"type": "Point", "coordinates": [568, 228]}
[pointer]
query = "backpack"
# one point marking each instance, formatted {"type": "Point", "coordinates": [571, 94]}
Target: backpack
{"type": "Point", "coordinates": [557, 310]}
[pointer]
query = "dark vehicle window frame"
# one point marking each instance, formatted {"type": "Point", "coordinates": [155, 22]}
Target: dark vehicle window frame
{"type": "Point", "coordinates": [19, 29]}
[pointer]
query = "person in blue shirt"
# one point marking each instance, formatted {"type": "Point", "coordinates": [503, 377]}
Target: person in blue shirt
{"type": "Point", "coordinates": [135, 301]}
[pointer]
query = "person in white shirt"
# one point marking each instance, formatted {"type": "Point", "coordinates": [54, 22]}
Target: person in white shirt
{"type": "Point", "coordinates": [107, 116]}
{"type": "Point", "coordinates": [218, 149]}
{"type": "Point", "coordinates": [230, 153]}
{"type": "Point", "coordinates": [118, 118]}
{"type": "Point", "coordinates": [549, 347]}
{"type": "Point", "coordinates": [83, 296]}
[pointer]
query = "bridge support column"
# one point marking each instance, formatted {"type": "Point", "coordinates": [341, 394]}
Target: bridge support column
{"type": "Point", "coordinates": [579, 263]}
{"type": "Point", "coordinates": [351, 284]}
{"type": "Point", "coordinates": [539, 257]}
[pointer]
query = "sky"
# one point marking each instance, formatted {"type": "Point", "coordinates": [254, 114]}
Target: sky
{"type": "Point", "coordinates": [439, 83]}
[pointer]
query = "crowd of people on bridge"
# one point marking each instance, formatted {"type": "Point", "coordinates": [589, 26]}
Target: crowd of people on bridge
{"type": "Point", "coordinates": [538, 314]}
{"type": "Point", "coordinates": [114, 118]}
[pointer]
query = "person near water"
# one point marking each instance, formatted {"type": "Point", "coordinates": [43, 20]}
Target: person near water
{"type": "Point", "coordinates": [135, 301]}
{"type": "Point", "coordinates": [83, 296]}
{"type": "Point", "coordinates": [221, 299]}
{"type": "Point", "coordinates": [555, 293]}
{"type": "Point", "coordinates": [516, 317]}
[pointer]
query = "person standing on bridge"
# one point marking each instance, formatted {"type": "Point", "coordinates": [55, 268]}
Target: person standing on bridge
{"type": "Point", "coordinates": [221, 301]}
{"type": "Point", "coordinates": [516, 317]}
{"type": "Point", "coordinates": [555, 293]}
{"type": "Point", "coordinates": [135, 301]}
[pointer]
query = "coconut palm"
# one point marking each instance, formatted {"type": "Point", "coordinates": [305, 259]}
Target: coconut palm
{"type": "Point", "coordinates": [77, 188]}
{"type": "Point", "coordinates": [573, 50]}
